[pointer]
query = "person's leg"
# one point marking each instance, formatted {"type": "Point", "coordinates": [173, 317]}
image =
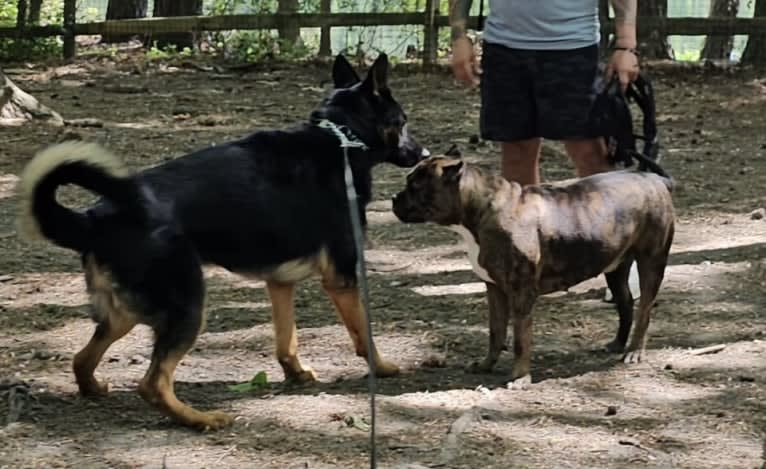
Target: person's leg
{"type": "Point", "coordinates": [508, 113]}
{"type": "Point", "coordinates": [520, 161]}
{"type": "Point", "coordinates": [588, 155]}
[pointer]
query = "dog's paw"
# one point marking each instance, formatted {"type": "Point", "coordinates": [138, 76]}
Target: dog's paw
{"type": "Point", "coordinates": [212, 421]}
{"type": "Point", "coordinates": [520, 383]}
{"type": "Point", "coordinates": [386, 369]}
{"type": "Point", "coordinates": [93, 388]}
{"type": "Point", "coordinates": [479, 367]}
{"type": "Point", "coordinates": [632, 357]}
{"type": "Point", "coordinates": [304, 375]}
{"type": "Point", "coordinates": [613, 347]}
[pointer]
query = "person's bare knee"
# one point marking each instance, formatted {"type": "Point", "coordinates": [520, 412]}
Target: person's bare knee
{"type": "Point", "coordinates": [589, 156]}
{"type": "Point", "coordinates": [521, 161]}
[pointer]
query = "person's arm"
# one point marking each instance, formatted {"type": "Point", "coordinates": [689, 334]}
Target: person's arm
{"type": "Point", "coordinates": [625, 23]}
{"type": "Point", "coordinates": [458, 18]}
{"type": "Point", "coordinates": [624, 61]}
{"type": "Point", "coordinates": [464, 63]}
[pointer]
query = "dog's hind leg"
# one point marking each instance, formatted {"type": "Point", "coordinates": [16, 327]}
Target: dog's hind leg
{"type": "Point", "coordinates": [114, 325]}
{"type": "Point", "coordinates": [171, 344]}
{"type": "Point", "coordinates": [285, 333]}
{"type": "Point", "coordinates": [617, 282]}
{"type": "Point", "coordinates": [349, 306]}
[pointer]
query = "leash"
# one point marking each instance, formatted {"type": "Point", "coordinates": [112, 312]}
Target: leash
{"type": "Point", "coordinates": [349, 140]}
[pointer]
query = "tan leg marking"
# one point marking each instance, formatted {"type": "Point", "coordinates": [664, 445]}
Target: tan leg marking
{"type": "Point", "coordinates": [157, 389]}
{"type": "Point", "coordinates": [349, 307]}
{"type": "Point", "coordinates": [285, 332]}
{"type": "Point", "coordinates": [86, 360]}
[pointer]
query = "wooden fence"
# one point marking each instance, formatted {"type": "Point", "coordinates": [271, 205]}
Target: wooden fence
{"type": "Point", "coordinates": [430, 19]}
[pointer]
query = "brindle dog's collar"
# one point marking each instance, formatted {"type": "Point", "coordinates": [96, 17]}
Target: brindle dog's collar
{"type": "Point", "coordinates": [343, 133]}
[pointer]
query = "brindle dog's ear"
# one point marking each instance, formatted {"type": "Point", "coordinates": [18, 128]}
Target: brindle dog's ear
{"type": "Point", "coordinates": [377, 76]}
{"type": "Point", "coordinates": [343, 74]}
{"type": "Point", "coordinates": [453, 171]}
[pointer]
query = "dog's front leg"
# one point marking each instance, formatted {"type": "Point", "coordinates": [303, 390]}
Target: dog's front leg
{"type": "Point", "coordinates": [521, 302]}
{"type": "Point", "coordinates": [285, 332]}
{"type": "Point", "coordinates": [498, 329]}
{"type": "Point", "coordinates": [348, 305]}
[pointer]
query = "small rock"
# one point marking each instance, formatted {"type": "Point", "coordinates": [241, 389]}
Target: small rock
{"type": "Point", "coordinates": [434, 361]}
{"type": "Point", "coordinates": [746, 379]}
{"type": "Point", "coordinates": [42, 355]}
{"type": "Point", "coordinates": [473, 139]}
{"type": "Point", "coordinates": [611, 410]}
{"type": "Point", "coordinates": [758, 214]}
{"type": "Point", "coordinates": [668, 366]}
{"type": "Point", "coordinates": [721, 414]}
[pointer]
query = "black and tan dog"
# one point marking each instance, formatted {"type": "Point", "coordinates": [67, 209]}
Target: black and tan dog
{"type": "Point", "coordinates": [270, 206]}
{"type": "Point", "coordinates": [526, 242]}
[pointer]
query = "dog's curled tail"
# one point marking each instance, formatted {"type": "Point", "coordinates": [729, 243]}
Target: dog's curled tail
{"type": "Point", "coordinates": [87, 165]}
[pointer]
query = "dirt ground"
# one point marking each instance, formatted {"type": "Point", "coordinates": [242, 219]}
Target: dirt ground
{"type": "Point", "coordinates": [584, 409]}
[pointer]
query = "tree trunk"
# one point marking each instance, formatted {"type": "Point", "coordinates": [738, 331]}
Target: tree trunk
{"type": "Point", "coordinates": [719, 47]}
{"type": "Point", "coordinates": [21, 14]}
{"type": "Point", "coordinates": [17, 107]}
{"type": "Point", "coordinates": [70, 18]}
{"type": "Point", "coordinates": [325, 48]}
{"type": "Point", "coordinates": [120, 10]}
{"type": "Point", "coordinates": [289, 33]}
{"type": "Point", "coordinates": [755, 51]}
{"type": "Point", "coordinates": [34, 11]}
{"type": "Point", "coordinates": [164, 8]}
{"type": "Point", "coordinates": [654, 45]}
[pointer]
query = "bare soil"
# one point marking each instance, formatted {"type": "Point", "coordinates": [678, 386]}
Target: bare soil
{"type": "Point", "coordinates": [584, 409]}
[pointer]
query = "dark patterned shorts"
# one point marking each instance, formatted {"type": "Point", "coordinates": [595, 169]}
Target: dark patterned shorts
{"type": "Point", "coordinates": [537, 93]}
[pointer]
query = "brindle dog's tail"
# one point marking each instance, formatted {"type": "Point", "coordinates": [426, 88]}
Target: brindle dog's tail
{"type": "Point", "coordinates": [86, 165]}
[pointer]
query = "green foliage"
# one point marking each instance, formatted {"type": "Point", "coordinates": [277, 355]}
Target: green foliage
{"type": "Point", "coordinates": [8, 14]}
{"type": "Point", "coordinates": [252, 46]}
{"type": "Point", "coordinates": [259, 382]}
{"type": "Point", "coordinates": [168, 52]}
{"type": "Point", "coordinates": [15, 50]}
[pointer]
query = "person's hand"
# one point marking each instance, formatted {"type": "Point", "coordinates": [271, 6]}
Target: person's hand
{"type": "Point", "coordinates": [464, 63]}
{"type": "Point", "coordinates": [624, 64]}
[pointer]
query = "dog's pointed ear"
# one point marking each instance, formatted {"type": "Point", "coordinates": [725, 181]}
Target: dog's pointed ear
{"type": "Point", "coordinates": [452, 172]}
{"type": "Point", "coordinates": [377, 75]}
{"type": "Point", "coordinates": [343, 74]}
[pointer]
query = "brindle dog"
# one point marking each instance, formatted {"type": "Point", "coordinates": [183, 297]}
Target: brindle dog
{"type": "Point", "coordinates": [530, 241]}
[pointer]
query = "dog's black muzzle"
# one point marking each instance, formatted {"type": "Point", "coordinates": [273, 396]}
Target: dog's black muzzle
{"type": "Point", "coordinates": [408, 151]}
{"type": "Point", "coordinates": [405, 209]}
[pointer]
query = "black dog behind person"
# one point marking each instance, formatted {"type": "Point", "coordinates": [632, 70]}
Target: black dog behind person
{"type": "Point", "coordinates": [270, 206]}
